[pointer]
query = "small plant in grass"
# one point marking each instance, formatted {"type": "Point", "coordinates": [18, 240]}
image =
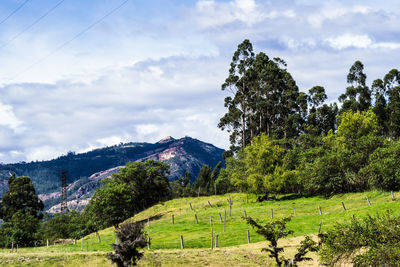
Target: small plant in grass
{"type": "Point", "coordinates": [275, 230]}
{"type": "Point", "coordinates": [130, 237]}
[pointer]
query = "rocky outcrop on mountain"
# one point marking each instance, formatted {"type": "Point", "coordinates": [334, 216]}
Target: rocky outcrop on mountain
{"type": "Point", "coordinates": [86, 170]}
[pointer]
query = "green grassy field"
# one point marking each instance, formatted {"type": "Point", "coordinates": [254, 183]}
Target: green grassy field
{"type": "Point", "coordinates": [233, 247]}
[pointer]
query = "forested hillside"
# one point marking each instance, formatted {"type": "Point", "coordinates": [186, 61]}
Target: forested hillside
{"type": "Point", "coordinates": [185, 154]}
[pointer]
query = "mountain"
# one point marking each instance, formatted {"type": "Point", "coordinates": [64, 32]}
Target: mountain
{"type": "Point", "coordinates": [85, 170]}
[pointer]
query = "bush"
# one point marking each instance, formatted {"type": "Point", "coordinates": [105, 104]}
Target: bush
{"type": "Point", "coordinates": [130, 237]}
{"type": "Point", "coordinates": [373, 241]}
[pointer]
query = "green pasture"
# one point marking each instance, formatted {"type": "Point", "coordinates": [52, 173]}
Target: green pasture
{"type": "Point", "coordinates": [165, 235]}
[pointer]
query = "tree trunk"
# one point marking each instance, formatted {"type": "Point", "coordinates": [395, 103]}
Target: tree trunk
{"type": "Point", "coordinates": [243, 125]}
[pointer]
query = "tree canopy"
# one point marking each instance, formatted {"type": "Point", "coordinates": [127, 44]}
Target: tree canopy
{"type": "Point", "coordinates": [287, 141]}
{"type": "Point", "coordinates": [21, 196]}
{"type": "Point", "coordinates": [20, 209]}
{"type": "Point", "coordinates": [128, 192]}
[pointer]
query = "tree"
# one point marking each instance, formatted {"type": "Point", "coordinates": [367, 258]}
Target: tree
{"type": "Point", "coordinates": [380, 105]}
{"type": "Point", "coordinates": [321, 117]}
{"type": "Point", "coordinates": [111, 204]}
{"type": "Point", "coordinates": [238, 83]}
{"type": "Point", "coordinates": [21, 196]}
{"type": "Point", "coordinates": [275, 230]}
{"type": "Point", "coordinates": [20, 229]}
{"type": "Point", "coordinates": [182, 187]}
{"type": "Point", "coordinates": [65, 225]}
{"type": "Point", "coordinates": [392, 88]}
{"type": "Point", "coordinates": [234, 174]}
{"type": "Point", "coordinates": [262, 159]}
{"type": "Point", "coordinates": [128, 193]}
{"type": "Point", "coordinates": [142, 178]}
{"type": "Point", "coordinates": [338, 163]}
{"type": "Point", "coordinates": [382, 171]}
{"type": "Point", "coordinates": [130, 237]}
{"type": "Point", "coordinates": [264, 99]}
{"type": "Point", "coordinates": [205, 181]}
{"type": "Point", "coordinates": [358, 95]}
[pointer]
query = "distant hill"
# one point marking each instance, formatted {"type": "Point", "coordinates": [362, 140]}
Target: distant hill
{"type": "Point", "coordinates": [85, 170]}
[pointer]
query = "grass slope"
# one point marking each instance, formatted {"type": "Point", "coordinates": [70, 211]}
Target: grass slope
{"type": "Point", "coordinates": [165, 236]}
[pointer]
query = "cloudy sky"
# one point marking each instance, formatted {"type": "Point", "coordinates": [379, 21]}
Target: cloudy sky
{"type": "Point", "coordinates": [77, 75]}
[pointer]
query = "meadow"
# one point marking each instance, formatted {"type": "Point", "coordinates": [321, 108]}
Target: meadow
{"type": "Point", "coordinates": [167, 222]}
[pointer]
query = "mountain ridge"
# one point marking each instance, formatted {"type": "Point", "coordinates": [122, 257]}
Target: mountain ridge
{"type": "Point", "coordinates": [85, 170]}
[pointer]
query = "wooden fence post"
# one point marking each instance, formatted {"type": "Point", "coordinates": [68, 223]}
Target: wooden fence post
{"type": "Point", "coordinates": [230, 206]}
{"type": "Point", "coordinates": [343, 206]}
{"type": "Point", "coordinates": [209, 203]}
{"type": "Point", "coordinates": [248, 237]}
{"type": "Point", "coordinates": [224, 219]}
{"type": "Point", "coordinates": [220, 217]}
{"type": "Point", "coordinates": [148, 242]}
{"type": "Point", "coordinates": [319, 227]}
{"type": "Point", "coordinates": [245, 214]}
{"type": "Point", "coordinates": [148, 222]}
{"type": "Point", "coordinates": [216, 241]}
{"type": "Point", "coordinates": [98, 237]}
{"type": "Point", "coordinates": [190, 204]}
{"type": "Point", "coordinates": [212, 235]}
{"type": "Point", "coordinates": [182, 247]}
{"type": "Point", "coordinates": [369, 203]}
{"type": "Point", "coordinates": [47, 245]}
{"type": "Point", "coordinates": [195, 218]}
{"type": "Point", "coordinates": [272, 213]}
{"type": "Point", "coordinates": [353, 218]}
{"type": "Point", "coordinates": [393, 199]}
{"type": "Point", "coordinates": [173, 219]}
{"type": "Point", "coordinates": [320, 211]}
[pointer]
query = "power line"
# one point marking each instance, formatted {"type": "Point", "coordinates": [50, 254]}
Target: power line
{"type": "Point", "coordinates": [14, 11]}
{"type": "Point", "coordinates": [32, 24]}
{"type": "Point", "coordinates": [72, 39]}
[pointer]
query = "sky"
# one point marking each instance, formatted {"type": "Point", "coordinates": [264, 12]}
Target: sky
{"type": "Point", "coordinates": [78, 75]}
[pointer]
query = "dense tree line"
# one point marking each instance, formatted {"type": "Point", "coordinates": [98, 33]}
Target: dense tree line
{"type": "Point", "coordinates": [205, 183]}
{"type": "Point", "coordinates": [287, 141]}
{"type": "Point", "coordinates": [134, 188]}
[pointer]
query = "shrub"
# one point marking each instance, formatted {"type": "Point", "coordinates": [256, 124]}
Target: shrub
{"type": "Point", "coordinates": [130, 237]}
{"type": "Point", "coordinates": [373, 241]}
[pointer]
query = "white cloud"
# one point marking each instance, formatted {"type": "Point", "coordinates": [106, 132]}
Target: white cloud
{"type": "Point", "coordinates": [9, 119]}
{"type": "Point", "coordinates": [210, 13]}
{"type": "Point", "coordinates": [358, 41]}
{"type": "Point", "coordinates": [350, 40]}
{"type": "Point", "coordinates": [386, 45]}
{"type": "Point", "coordinates": [333, 11]}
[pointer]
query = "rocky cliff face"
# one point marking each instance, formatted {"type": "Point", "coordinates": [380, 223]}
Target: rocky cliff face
{"type": "Point", "coordinates": [86, 170]}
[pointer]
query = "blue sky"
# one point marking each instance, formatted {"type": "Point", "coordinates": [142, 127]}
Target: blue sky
{"type": "Point", "coordinates": [155, 68]}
